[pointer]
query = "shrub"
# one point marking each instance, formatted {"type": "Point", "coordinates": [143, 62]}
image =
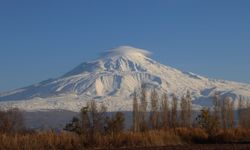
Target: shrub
{"type": "Point", "coordinates": [11, 121]}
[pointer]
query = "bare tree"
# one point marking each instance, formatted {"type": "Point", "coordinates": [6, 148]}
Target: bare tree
{"type": "Point", "coordinates": [143, 109]}
{"type": "Point", "coordinates": [230, 109]}
{"type": "Point", "coordinates": [186, 110]}
{"type": "Point", "coordinates": [97, 117]}
{"type": "Point", "coordinates": [90, 122]}
{"type": "Point", "coordinates": [80, 125]}
{"type": "Point", "coordinates": [115, 124]}
{"type": "Point", "coordinates": [244, 112]}
{"type": "Point", "coordinates": [85, 120]}
{"type": "Point", "coordinates": [217, 106]}
{"type": "Point", "coordinates": [245, 116]}
{"type": "Point", "coordinates": [208, 122]}
{"type": "Point", "coordinates": [135, 113]}
{"type": "Point", "coordinates": [154, 114]}
{"type": "Point", "coordinates": [224, 113]}
{"type": "Point", "coordinates": [240, 111]}
{"type": "Point", "coordinates": [11, 121]}
{"type": "Point", "coordinates": [174, 111]}
{"type": "Point", "coordinates": [189, 109]}
{"type": "Point", "coordinates": [227, 113]}
{"type": "Point", "coordinates": [183, 112]}
{"type": "Point", "coordinates": [165, 116]}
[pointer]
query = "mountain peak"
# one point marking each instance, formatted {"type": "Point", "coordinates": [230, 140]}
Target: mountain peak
{"type": "Point", "coordinates": [126, 51]}
{"type": "Point", "coordinates": [113, 78]}
{"type": "Point", "coordinates": [122, 58]}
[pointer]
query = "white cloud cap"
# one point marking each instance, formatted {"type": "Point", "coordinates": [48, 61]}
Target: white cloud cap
{"type": "Point", "coordinates": [126, 51]}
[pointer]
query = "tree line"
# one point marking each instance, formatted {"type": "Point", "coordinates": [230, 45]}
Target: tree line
{"type": "Point", "coordinates": [154, 111]}
{"type": "Point", "coordinates": [160, 112]}
{"type": "Point", "coordinates": [156, 116]}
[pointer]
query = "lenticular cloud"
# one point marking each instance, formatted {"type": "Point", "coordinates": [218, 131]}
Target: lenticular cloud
{"type": "Point", "coordinates": [125, 50]}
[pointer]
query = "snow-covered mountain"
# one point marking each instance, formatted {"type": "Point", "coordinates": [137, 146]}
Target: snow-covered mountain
{"type": "Point", "coordinates": [112, 78]}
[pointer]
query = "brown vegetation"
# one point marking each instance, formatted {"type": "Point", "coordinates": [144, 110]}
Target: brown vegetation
{"type": "Point", "coordinates": [163, 125]}
{"type": "Point", "coordinates": [11, 121]}
{"type": "Point", "coordinates": [157, 138]}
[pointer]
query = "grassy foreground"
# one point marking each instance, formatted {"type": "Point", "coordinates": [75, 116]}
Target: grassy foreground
{"type": "Point", "coordinates": [158, 139]}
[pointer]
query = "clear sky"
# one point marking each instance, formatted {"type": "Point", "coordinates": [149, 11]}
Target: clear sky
{"type": "Point", "coordinates": [41, 39]}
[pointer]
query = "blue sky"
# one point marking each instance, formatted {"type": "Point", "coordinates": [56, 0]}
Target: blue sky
{"type": "Point", "coordinates": [44, 39]}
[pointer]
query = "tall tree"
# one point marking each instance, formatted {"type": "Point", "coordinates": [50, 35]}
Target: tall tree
{"type": "Point", "coordinates": [183, 112]}
{"type": "Point", "coordinates": [143, 109]}
{"type": "Point", "coordinates": [115, 124]}
{"type": "Point", "coordinates": [224, 113]}
{"type": "Point", "coordinates": [230, 109]}
{"type": "Point", "coordinates": [240, 111]}
{"type": "Point", "coordinates": [97, 117]}
{"type": "Point", "coordinates": [246, 115]}
{"type": "Point", "coordinates": [154, 114]}
{"type": "Point", "coordinates": [135, 113]}
{"type": "Point", "coordinates": [174, 114]}
{"type": "Point", "coordinates": [227, 113]}
{"type": "Point", "coordinates": [217, 106]}
{"type": "Point", "coordinates": [165, 116]}
{"type": "Point", "coordinates": [85, 120]}
{"type": "Point", "coordinates": [189, 109]}
{"type": "Point", "coordinates": [208, 122]}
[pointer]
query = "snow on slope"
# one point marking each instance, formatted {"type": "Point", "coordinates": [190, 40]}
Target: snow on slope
{"type": "Point", "coordinates": [112, 78]}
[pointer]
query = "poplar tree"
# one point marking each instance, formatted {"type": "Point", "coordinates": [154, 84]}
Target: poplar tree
{"type": "Point", "coordinates": [143, 110]}
{"type": "Point", "coordinates": [217, 107]}
{"type": "Point", "coordinates": [165, 116]}
{"type": "Point", "coordinates": [183, 112]}
{"type": "Point", "coordinates": [189, 109]}
{"type": "Point", "coordinates": [240, 112]}
{"type": "Point", "coordinates": [135, 113]}
{"type": "Point", "coordinates": [154, 114]}
{"type": "Point", "coordinates": [174, 111]}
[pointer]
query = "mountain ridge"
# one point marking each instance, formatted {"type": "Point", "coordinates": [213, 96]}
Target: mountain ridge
{"type": "Point", "coordinates": [113, 77]}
